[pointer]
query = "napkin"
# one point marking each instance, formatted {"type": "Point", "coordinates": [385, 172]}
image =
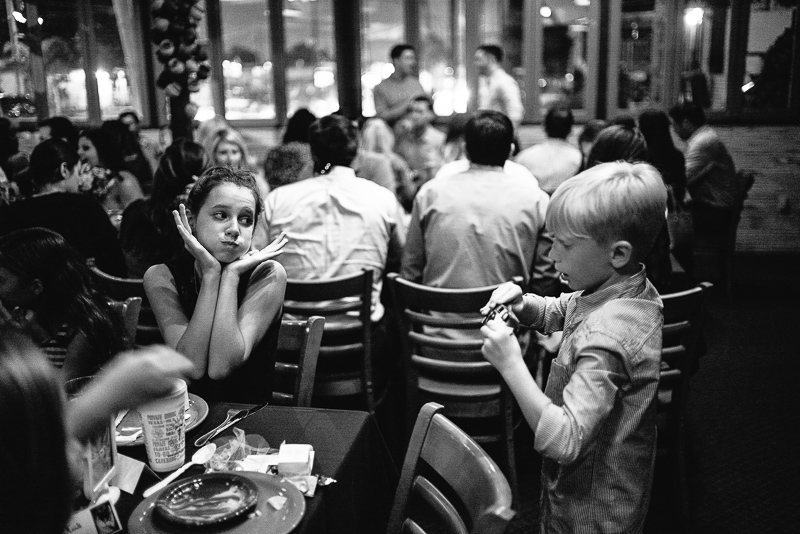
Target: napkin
{"type": "Point", "coordinates": [295, 459]}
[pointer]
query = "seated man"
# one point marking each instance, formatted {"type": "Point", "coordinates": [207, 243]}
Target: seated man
{"type": "Point", "coordinates": [483, 226]}
{"type": "Point", "coordinates": [336, 222]}
{"type": "Point", "coordinates": [710, 172]}
{"type": "Point", "coordinates": [418, 142]}
{"type": "Point", "coordinates": [554, 160]}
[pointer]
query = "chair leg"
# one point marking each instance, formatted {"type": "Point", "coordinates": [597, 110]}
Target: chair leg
{"type": "Point", "coordinates": [511, 461]}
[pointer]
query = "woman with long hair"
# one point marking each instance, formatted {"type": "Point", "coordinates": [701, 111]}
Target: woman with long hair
{"type": "Point", "coordinates": [46, 289]}
{"type": "Point", "coordinates": [227, 148]}
{"type": "Point", "coordinates": [147, 232]}
{"type": "Point", "coordinates": [110, 183]}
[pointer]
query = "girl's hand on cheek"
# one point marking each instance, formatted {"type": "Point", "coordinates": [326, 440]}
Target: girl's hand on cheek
{"type": "Point", "coordinates": [256, 257]}
{"type": "Point", "coordinates": [208, 263]}
{"type": "Point", "coordinates": [500, 346]}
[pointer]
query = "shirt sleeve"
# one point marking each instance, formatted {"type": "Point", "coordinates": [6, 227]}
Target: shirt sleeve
{"type": "Point", "coordinates": [544, 277]}
{"type": "Point", "coordinates": [513, 101]}
{"type": "Point", "coordinates": [565, 433]}
{"type": "Point", "coordinates": [414, 251]}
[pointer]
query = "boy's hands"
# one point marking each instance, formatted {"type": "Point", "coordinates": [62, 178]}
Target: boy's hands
{"type": "Point", "coordinates": [500, 346]}
{"type": "Point", "coordinates": [509, 294]}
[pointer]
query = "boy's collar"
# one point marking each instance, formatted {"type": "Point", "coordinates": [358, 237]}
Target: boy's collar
{"type": "Point", "coordinates": [633, 284]}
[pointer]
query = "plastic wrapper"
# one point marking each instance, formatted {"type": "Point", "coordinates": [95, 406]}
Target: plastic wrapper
{"type": "Point", "coordinates": [231, 451]}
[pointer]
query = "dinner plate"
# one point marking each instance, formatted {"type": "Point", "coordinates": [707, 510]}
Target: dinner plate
{"type": "Point", "coordinates": [264, 519]}
{"type": "Point", "coordinates": [198, 411]}
{"type": "Point", "coordinates": [207, 500]}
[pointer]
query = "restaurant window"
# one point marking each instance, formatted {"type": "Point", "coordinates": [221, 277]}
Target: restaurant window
{"type": "Point", "coordinates": [247, 67]}
{"type": "Point", "coordinates": [113, 83]}
{"type": "Point", "coordinates": [381, 28]}
{"type": "Point", "coordinates": [564, 58]}
{"type": "Point", "coordinates": [770, 54]}
{"type": "Point", "coordinates": [310, 56]}
{"type": "Point", "coordinates": [501, 24]}
{"type": "Point", "coordinates": [442, 68]}
{"type": "Point", "coordinates": [16, 85]}
{"type": "Point", "coordinates": [642, 56]}
{"type": "Point", "coordinates": [706, 60]}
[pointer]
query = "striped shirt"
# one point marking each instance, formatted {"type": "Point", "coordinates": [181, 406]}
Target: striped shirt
{"type": "Point", "coordinates": [598, 438]}
{"type": "Point", "coordinates": [56, 347]}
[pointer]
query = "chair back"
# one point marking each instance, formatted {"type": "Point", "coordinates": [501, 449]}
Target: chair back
{"type": "Point", "coordinates": [344, 367]}
{"type": "Point", "coordinates": [448, 367]}
{"type": "Point", "coordinates": [468, 493]}
{"type": "Point", "coordinates": [147, 331]}
{"type": "Point", "coordinates": [296, 361]}
{"type": "Point", "coordinates": [128, 312]}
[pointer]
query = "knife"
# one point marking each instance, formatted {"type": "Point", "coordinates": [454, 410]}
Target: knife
{"type": "Point", "coordinates": [242, 414]}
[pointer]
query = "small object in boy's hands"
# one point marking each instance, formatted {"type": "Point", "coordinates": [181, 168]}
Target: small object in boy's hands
{"type": "Point", "coordinates": [505, 314]}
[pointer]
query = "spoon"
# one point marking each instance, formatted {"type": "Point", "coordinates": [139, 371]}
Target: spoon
{"type": "Point", "coordinates": [200, 457]}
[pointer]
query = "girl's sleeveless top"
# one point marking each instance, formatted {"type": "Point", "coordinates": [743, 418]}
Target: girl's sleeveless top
{"type": "Point", "coordinates": [252, 382]}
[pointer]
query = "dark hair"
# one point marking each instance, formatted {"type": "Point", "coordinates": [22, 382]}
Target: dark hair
{"type": "Point", "coordinates": [618, 143]}
{"type": "Point", "coordinates": [62, 128]}
{"type": "Point", "coordinates": [655, 127]}
{"type": "Point", "coordinates": [182, 161]}
{"type": "Point", "coordinates": [493, 50]}
{"type": "Point", "coordinates": [123, 140]}
{"type": "Point", "coordinates": [591, 130]}
{"type": "Point", "coordinates": [558, 122]}
{"type": "Point", "coordinates": [33, 444]}
{"type": "Point", "coordinates": [688, 111]}
{"type": "Point", "coordinates": [284, 163]}
{"type": "Point", "coordinates": [297, 126]}
{"type": "Point", "coordinates": [422, 98]}
{"type": "Point", "coordinates": [68, 294]}
{"type": "Point", "coordinates": [46, 160]}
{"type": "Point", "coordinates": [456, 126]}
{"type": "Point", "coordinates": [9, 145]}
{"type": "Point", "coordinates": [489, 136]}
{"type": "Point", "coordinates": [129, 113]}
{"type": "Point", "coordinates": [334, 141]}
{"type": "Point", "coordinates": [624, 120]}
{"type": "Point", "coordinates": [108, 151]}
{"type": "Point", "coordinates": [216, 176]}
{"type": "Point", "coordinates": [398, 50]}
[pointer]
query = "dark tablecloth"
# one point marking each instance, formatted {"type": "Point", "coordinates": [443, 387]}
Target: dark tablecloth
{"type": "Point", "coordinates": [348, 447]}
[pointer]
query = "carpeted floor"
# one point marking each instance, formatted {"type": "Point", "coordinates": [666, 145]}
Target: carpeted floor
{"type": "Point", "coordinates": [743, 450]}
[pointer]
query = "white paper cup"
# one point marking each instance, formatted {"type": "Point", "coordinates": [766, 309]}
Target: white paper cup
{"type": "Point", "coordinates": [164, 429]}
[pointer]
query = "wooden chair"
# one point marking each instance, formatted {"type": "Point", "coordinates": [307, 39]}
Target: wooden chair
{"type": "Point", "coordinates": [683, 316]}
{"type": "Point", "coordinates": [296, 361]}
{"type": "Point", "coordinates": [463, 470]}
{"type": "Point", "coordinates": [344, 368]}
{"type": "Point", "coordinates": [453, 372]}
{"type": "Point", "coordinates": [128, 311]}
{"type": "Point", "coordinates": [147, 331]}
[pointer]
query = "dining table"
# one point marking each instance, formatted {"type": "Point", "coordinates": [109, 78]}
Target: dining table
{"type": "Point", "coordinates": [348, 447]}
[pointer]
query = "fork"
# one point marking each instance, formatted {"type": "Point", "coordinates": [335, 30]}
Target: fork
{"type": "Point", "coordinates": [231, 413]}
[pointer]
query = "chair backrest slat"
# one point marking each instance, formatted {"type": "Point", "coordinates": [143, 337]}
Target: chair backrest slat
{"type": "Point", "coordinates": [467, 473]}
{"type": "Point", "coordinates": [296, 361]}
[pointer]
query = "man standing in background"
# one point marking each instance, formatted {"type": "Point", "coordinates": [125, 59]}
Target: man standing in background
{"type": "Point", "coordinates": [394, 94]}
{"type": "Point", "coordinates": [497, 90]}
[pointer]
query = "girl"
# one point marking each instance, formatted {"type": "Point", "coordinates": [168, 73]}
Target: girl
{"type": "Point", "coordinates": [147, 233]}
{"type": "Point", "coordinates": [46, 289]}
{"type": "Point", "coordinates": [113, 186]}
{"type": "Point", "coordinates": [220, 305]}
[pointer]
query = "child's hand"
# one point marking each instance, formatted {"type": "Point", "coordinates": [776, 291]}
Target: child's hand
{"type": "Point", "coordinates": [500, 346]}
{"type": "Point", "coordinates": [509, 294]}
{"type": "Point", "coordinates": [208, 263]}
{"type": "Point", "coordinates": [256, 257]}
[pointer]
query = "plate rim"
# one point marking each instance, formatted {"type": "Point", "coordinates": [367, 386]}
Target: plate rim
{"type": "Point", "coordinates": [202, 413]}
{"type": "Point", "coordinates": [176, 519]}
{"type": "Point", "coordinates": [142, 515]}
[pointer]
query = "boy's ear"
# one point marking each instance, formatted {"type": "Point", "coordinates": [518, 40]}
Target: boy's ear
{"type": "Point", "coordinates": [621, 254]}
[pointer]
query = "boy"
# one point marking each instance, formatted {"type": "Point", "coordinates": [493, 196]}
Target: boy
{"type": "Point", "coordinates": [595, 425]}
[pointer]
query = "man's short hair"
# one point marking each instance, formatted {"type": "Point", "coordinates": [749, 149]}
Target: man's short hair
{"type": "Point", "coordinates": [688, 111]}
{"type": "Point", "coordinates": [618, 143]}
{"type": "Point", "coordinates": [333, 140]}
{"type": "Point", "coordinates": [609, 202]}
{"type": "Point", "coordinates": [488, 138]}
{"type": "Point", "coordinates": [421, 98]}
{"type": "Point", "coordinates": [558, 122]}
{"type": "Point", "coordinates": [493, 50]}
{"type": "Point", "coordinates": [130, 113]}
{"type": "Point", "coordinates": [285, 163]}
{"type": "Point", "coordinates": [398, 50]}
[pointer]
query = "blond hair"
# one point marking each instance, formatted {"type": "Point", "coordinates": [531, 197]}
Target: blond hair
{"type": "Point", "coordinates": [609, 202]}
